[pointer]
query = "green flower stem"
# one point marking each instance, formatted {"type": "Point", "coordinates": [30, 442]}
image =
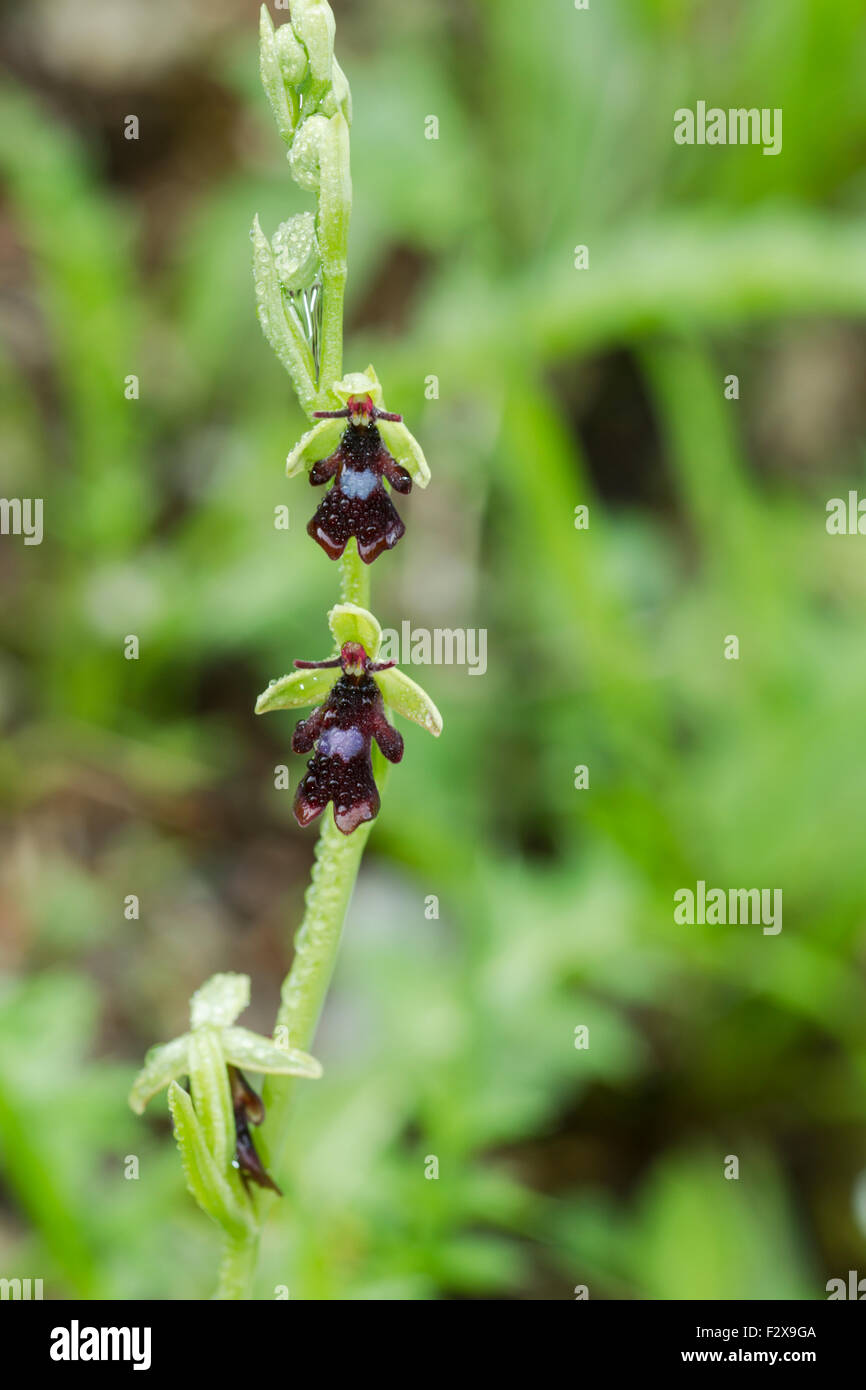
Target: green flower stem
{"type": "Point", "coordinates": [354, 577]}
{"type": "Point", "coordinates": [337, 861]}
{"type": "Point", "coordinates": [335, 206]}
{"type": "Point", "coordinates": [331, 353]}
{"type": "Point", "coordinates": [237, 1267]}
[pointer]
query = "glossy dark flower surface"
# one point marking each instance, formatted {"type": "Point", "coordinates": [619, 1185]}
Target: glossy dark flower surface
{"type": "Point", "coordinates": [358, 504]}
{"type": "Point", "coordinates": [342, 730]}
{"type": "Point", "coordinates": [248, 1108]}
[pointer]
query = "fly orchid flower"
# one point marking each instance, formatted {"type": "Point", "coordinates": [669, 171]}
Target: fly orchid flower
{"type": "Point", "coordinates": [361, 447]}
{"type": "Point", "coordinates": [353, 689]}
{"type": "Point", "coordinates": [211, 1121]}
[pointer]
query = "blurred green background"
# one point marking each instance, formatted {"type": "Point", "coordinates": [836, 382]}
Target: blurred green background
{"type": "Point", "coordinates": [451, 1037]}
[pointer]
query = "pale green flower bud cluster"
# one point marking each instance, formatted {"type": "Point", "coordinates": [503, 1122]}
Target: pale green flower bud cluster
{"type": "Point", "coordinates": [311, 104]}
{"type": "Point", "coordinates": [300, 73]}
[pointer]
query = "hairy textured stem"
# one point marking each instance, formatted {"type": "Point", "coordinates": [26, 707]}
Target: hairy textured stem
{"type": "Point", "coordinates": [237, 1267]}
{"type": "Point", "coordinates": [335, 205]}
{"type": "Point", "coordinates": [354, 577]}
{"type": "Point", "coordinates": [337, 860]}
{"type": "Point", "coordinates": [331, 353]}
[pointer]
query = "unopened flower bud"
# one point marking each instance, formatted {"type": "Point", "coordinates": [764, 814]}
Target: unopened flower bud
{"type": "Point", "coordinates": [305, 154]}
{"type": "Point", "coordinates": [278, 58]}
{"type": "Point", "coordinates": [293, 58]}
{"type": "Point", "coordinates": [296, 252]}
{"type": "Point", "coordinates": [314, 24]}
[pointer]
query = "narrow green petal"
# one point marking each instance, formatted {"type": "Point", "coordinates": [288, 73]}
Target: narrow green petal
{"type": "Point", "coordinates": [405, 697]}
{"type": "Point", "coordinates": [210, 1188]}
{"type": "Point", "coordinates": [161, 1065]}
{"type": "Point", "coordinates": [297, 689]}
{"type": "Point", "coordinates": [317, 443]}
{"type": "Point", "coordinates": [219, 1000]}
{"type": "Point", "coordinates": [211, 1095]}
{"type": "Point", "coordinates": [406, 450]}
{"type": "Point", "coordinates": [349, 623]}
{"type": "Point", "coordinates": [245, 1049]}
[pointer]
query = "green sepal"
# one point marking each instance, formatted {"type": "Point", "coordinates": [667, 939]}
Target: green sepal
{"type": "Point", "coordinates": [317, 443]}
{"type": "Point", "coordinates": [297, 689]}
{"type": "Point", "coordinates": [219, 1000]}
{"type": "Point", "coordinates": [211, 1189]}
{"type": "Point", "coordinates": [403, 696]}
{"type": "Point", "coordinates": [349, 623]}
{"type": "Point", "coordinates": [162, 1064]}
{"type": "Point", "coordinates": [245, 1049]}
{"type": "Point", "coordinates": [364, 383]}
{"type": "Point", "coordinates": [405, 450]}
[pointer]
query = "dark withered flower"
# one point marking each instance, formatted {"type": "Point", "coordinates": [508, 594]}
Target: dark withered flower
{"type": "Point", "coordinates": [352, 690]}
{"type": "Point", "coordinates": [248, 1109]}
{"type": "Point", "coordinates": [212, 1119]}
{"type": "Point", "coordinates": [373, 447]}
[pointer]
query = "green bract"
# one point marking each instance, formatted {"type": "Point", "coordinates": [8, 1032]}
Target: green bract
{"type": "Point", "coordinates": [218, 1191]}
{"type": "Point", "coordinates": [282, 62]}
{"type": "Point", "coordinates": [280, 324]}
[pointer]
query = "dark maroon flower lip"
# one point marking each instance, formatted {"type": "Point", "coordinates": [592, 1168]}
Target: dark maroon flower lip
{"type": "Point", "coordinates": [248, 1109]}
{"type": "Point", "coordinates": [358, 504]}
{"type": "Point", "coordinates": [341, 731]}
